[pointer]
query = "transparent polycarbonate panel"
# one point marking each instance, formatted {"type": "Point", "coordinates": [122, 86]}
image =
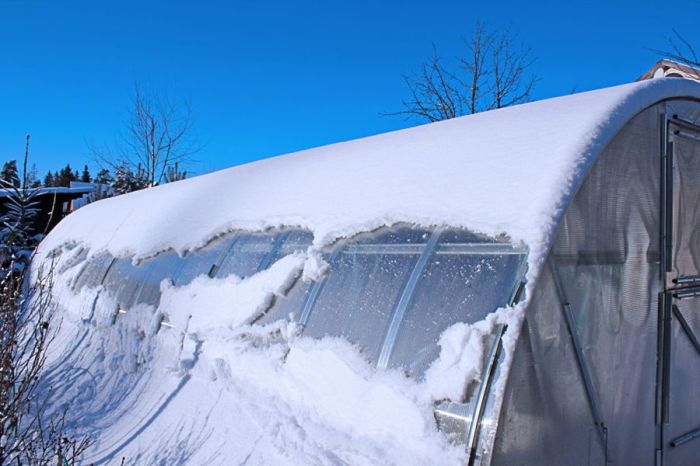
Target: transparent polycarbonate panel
{"type": "Point", "coordinates": [76, 258]}
{"type": "Point", "coordinates": [154, 271]}
{"type": "Point", "coordinates": [462, 282]}
{"type": "Point", "coordinates": [289, 306]}
{"type": "Point", "coordinates": [203, 261]}
{"type": "Point", "coordinates": [364, 285]}
{"type": "Point", "coordinates": [606, 258]}
{"type": "Point", "coordinates": [456, 418]}
{"type": "Point", "coordinates": [293, 241]}
{"type": "Point", "coordinates": [249, 253]}
{"type": "Point", "coordinates": [93, 272]}
{"type": "Point", "coordinates": [545, 417]}
{"type": "Point", "coordinates": [291, 303]}
{"type": "Point", "coordinates": [123, 281]}
{"type": "Point", "coordinates": [685, 254]}
{"type": "Point", "coordinates": [686, 206]}
{"type": "Point", "coordinates": [684, 398]}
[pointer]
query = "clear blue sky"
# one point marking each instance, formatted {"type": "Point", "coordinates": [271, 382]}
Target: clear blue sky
{"type": "Point", "coordinates": [269, 77]}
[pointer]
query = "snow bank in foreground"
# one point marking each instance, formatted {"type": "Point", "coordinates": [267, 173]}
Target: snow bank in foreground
{"type": "Point", "coordinates": [216, 390]}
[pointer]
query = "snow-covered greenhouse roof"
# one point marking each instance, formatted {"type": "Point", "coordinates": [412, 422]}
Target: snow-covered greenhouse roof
{"type": "Point", "coordinates": [509, 171]}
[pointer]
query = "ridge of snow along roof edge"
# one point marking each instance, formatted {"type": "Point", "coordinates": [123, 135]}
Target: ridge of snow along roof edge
{"type": "Point", "coordinates": [511, 171]}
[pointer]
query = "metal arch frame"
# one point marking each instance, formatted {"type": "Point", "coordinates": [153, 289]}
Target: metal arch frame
{"type": "Point", "coordinates": [406, 295]}
{"type": "Point", "coordinates": [482, 397]}
{"type": "Point", "coordinates": [316, 290]}
{"type": "Point", "coordinates": [582, 363]}
{"type": "Point", "coordinates": [277, 242]}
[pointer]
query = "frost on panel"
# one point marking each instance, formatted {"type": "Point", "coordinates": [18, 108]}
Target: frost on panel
{"type": "Point", "coordinates": [363, 287]}
{"type": "Point", "coordinates": [466, 278]}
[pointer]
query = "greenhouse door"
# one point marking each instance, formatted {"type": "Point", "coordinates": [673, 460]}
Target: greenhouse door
{"type": "Point", "coordinates": [678, 375]}
{"type": "Point", "coordinates": [680, 389]}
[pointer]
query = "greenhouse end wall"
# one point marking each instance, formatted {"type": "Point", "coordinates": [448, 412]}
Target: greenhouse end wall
{"type": "Point", "coordinates": [583, 384]}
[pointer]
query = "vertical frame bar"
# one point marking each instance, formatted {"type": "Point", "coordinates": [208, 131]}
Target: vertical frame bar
{"type": "Point", "coordinates": [480, 405]}
{"type": "Point", "coordinates": [316, 290]}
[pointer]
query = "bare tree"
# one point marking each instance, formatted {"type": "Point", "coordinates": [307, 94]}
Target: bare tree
{"type": "Point", "coordinates": [29, 432]}
{"type": "Point", "coordinates": [493, 72]}
{"type": "Point", "coordinates": [156, 139]}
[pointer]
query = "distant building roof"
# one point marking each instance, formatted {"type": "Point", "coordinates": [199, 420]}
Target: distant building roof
{"type": "Point", "coordinates": [670, 69]}
{"type": "Point", "coordinates": [77, 190]}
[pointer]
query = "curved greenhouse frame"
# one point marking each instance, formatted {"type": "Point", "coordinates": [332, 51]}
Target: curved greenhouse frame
{"type": "Point", "coordinates": [570, 307]}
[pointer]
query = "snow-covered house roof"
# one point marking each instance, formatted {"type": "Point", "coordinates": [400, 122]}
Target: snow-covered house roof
{"type": "Point", "coordinates": [508, 171]}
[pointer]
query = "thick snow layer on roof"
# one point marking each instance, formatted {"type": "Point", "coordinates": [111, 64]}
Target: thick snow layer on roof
{"type": "Point", "coordinates": [505, 171]}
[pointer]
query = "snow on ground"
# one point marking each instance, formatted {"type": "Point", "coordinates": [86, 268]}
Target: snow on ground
{"type": "Point", "coordinates": [214, 389]}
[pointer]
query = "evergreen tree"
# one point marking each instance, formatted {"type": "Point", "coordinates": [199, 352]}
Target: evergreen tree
{"type": "Point", "coordinates": [9, 174]}
{"type": "Point", "coordinates": [85, 177]}
{"type": "Point", "coordinates": [65, 176]}
{"type": "Point", "coordinates": [128, 180]}
{"type": "Point", "coordinates": [16, 224]}
{"type": "Point", "coordinates": [103, 177]}
{"type": "Point", "coordinates": [49, 179]}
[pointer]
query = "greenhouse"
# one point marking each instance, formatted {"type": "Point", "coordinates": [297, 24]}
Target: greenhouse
{"type": "Point", "coordinates": [520, 286]}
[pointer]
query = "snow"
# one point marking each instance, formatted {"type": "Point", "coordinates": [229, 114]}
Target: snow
{"type": "Point", "coordinates": [445, 379]}
{"type": "Point", "coordinates": [251, 296]}
{"type": "Point", "coordinates": [222, 392]}
{"type": "Point", "coordinates": [214, 389]}
{"type": "Point", "coordinates": [452, 172]}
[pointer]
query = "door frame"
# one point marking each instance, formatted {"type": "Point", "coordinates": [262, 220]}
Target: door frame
{"type": "Point", "coordinates": [672, 288]}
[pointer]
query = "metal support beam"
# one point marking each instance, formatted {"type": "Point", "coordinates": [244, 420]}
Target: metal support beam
{"type": "Point", "coordinates": [668, 209]}
{"type": "Point", "coordinates": [689, 125]}
{"type": "Point", "coordinates": [315, 290]}
{"type": "Point", "coordinates": [687, 280]}
{"type": "Point", "coordinates": [405, 300]}
{"type": "Point", "coordinates": [582, 364]}
{"type": "Point", "coordinates": [685, 438]}
{"type": "Point", "coordinates": [686, 327]}
{"type": "Point", "coordinates": [663, 191]}
{"type": "Point", "coordinates": [484, 389]}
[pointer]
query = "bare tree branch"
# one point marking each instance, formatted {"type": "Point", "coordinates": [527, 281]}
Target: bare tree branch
{"type": "Point", "coordinates": [682, 51]}
{"type": "Point", "coordinates": [492, 73]}
{"type": "Point", "coordinates": [156, 138]}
